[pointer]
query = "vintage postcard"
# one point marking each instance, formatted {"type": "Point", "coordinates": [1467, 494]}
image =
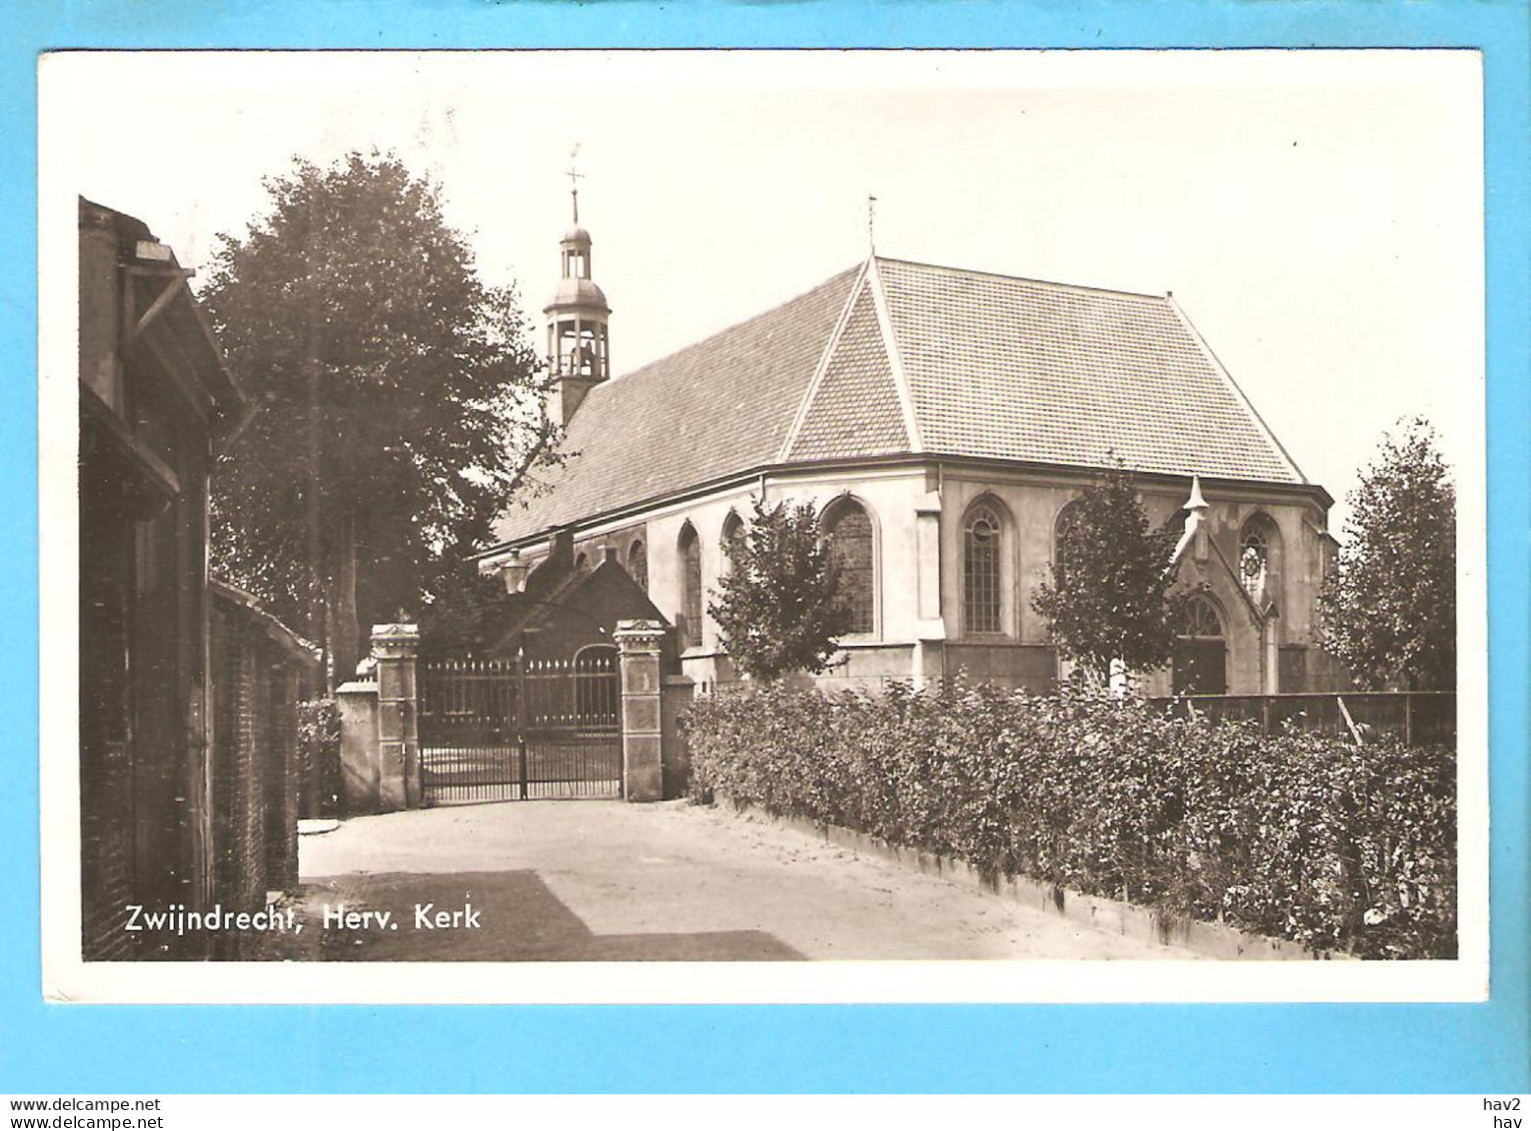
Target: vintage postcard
{"type": "Point", "coordinates": [763, 526]}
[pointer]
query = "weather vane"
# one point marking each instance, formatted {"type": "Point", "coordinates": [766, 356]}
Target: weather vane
{"type": "Point", "coordinates": [871, 223]}
{"type": "Point", "coordinates": [574, 176]}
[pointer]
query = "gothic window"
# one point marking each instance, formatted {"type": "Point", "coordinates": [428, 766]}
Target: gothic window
{"type": "Point", "coordinates": [638, 563]}
{"type": "Point", "coordinates": [981, 571]}
{"type": "Point", "coordinates": [1199, 618]}
{"type": "Point", "coordinates": [733, 531]}
{"type": "Point", "coordinates": [850, 537]}
{"type": "Point", "coordinates": [690, 547]}
{"type": "Point", "coordinates": [1259, 559]}
{"type": "Point", "coordinates": [1065, 520]}
{"type": "Point", "coordinates": [1254, 557]}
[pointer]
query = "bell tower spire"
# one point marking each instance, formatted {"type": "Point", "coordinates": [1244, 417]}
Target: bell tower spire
{"type": "Point", "coordinates": [578, 341]}
{"type": "Point", "coordinates": [574, 176]}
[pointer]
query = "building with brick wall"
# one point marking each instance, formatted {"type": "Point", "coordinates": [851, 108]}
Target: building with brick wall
{"type": "Point", "coordinates": [261, 670]}
{"type": "Point", "coordinates": [157, 404]}
{"type": "Point", "coordinates": [942, 420]}
{"type": "Point", "coordinates": [568, 604]}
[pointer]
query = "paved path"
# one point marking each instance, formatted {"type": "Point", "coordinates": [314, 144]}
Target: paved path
{"type": "Point", "coordinates": [603, 880]}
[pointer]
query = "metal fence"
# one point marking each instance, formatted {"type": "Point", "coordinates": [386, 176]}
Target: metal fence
{"type": "Point", "coordinates": [1416, 717]}
{"type": "Point", "coordinates": [521, 729]}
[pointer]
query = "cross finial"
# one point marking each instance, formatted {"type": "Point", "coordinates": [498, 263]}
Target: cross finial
{"type": "Point", "coordinates": [574, 176]}
{"type": "Point", "coordinates": [871, 223]}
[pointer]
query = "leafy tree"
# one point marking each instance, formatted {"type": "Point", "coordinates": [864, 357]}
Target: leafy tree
{"type": "Point", "coordinates": [464, 610]}
{"type": "Point", "coordinates": [1389, 610]}
{"type": "Point", "coordinates": [397, 392]}
{"type": "Point", "coordinates": [1107, 598]}
{"type": "Point", "coordinates": [779, 606]}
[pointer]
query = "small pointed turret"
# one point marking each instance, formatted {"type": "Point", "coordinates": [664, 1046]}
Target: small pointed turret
{"type": "Point", "coordinates": [1195, 508]}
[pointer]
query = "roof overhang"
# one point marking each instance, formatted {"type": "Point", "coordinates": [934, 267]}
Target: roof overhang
{"type": "Point", "coordinates": [293, 646]}
{"type": "Point", "coordinates": [1304, 492]}
{"type": "Point", "coordinates": [162, 318]}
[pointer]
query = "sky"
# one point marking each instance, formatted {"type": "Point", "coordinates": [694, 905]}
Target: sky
{"type": "Point", "coordinates": [1317, 215]}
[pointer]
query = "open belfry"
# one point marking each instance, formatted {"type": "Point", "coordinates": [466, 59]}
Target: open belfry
{"type": "Point", "coordinates": [578, 345]}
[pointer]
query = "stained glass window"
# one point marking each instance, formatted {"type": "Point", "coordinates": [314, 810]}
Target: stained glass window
{"type": "Point", "coordinates": [1260, 560]}
{"type": "Point", "coordinates": [1254, 560]}
{"type": "Point", "coordinates": [981, 572]}
{"type": "Point", "coordinates": [850, 534]}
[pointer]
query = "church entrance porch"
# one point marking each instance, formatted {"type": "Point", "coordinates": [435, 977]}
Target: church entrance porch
{"type": "Point", "coordinates": [1200, 660]}
{"type": "Point", "coordinates": [521, 729]}
{"type": "Point", "coordinates": [1200, 667]}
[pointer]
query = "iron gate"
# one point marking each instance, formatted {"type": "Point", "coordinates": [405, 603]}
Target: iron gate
{"type": "Point", "coordinates": [498, 730]}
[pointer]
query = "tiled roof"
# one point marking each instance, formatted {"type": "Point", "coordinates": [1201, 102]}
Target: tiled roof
{"type": "Point", "coordinates": [981, 365]}
{"type": "Point", "coordinates": [854, 411]}
{"type": "Point", "coordinates": [721, 406]}
{"type": "Point", "coordinates": [1016, 369]}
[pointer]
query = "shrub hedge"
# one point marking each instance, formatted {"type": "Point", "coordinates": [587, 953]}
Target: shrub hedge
{"type": "Point", "coordinates": [319, 753]}
{"type": "Point", "coordinates": [1297, 836]}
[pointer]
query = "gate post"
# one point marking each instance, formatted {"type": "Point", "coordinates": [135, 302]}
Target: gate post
{"type": "Point", "coordinates": [394, 647]}
{"type": "Point", "coordinates": [357, 702]}
{"type": "Point", "coordinates": [642, 742]}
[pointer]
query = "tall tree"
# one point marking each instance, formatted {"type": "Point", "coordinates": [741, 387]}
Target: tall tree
{"type": "Point", "coordinates": [1389, 609]}
{"type": "Point", "coordinates": [1107, 598]}
{"type": "Point", "coordinates": [399, 398]}
{"type": "Point", "coordinates": [779, 606]}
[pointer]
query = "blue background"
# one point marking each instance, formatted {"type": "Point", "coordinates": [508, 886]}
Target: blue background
{"type": "Point", "coordinates": [1372, 1048]}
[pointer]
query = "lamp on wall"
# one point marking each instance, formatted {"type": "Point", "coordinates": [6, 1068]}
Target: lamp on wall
{"type": "Point", "coordinates": [514, 572]}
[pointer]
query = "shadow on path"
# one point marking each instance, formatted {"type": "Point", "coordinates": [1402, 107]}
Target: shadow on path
{"type": "Point", "coordinates": [516, 918]}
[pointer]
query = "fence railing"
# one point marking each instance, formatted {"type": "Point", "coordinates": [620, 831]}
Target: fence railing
{"type": "Point", "coordinates": [1416, 717]}
{"type": "Point", "coordinates": [496, 729]}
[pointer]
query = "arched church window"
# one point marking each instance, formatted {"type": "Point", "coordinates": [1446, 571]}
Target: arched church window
{"type": "Point", "coordinates": [638, 563]}
{"type": "Point", "coordinates": [581, 564]}
{"type": "Point", "coordinates": [1260, 559]}
{"type": "Point", "coordinates": [1061, 528]}
{"type": "Point", "coordinates": [981, 571]}
{"type": "Point", "coordinates": [1199, 618]}
{"type": "Point", "coordinates": [849, 531]}
{"type": "Point", "coordinates": [733, 532]}
{"type": "Point", "coordinates": [1254, 557]}
{"type": "Point", "coordinates": [690, 547]}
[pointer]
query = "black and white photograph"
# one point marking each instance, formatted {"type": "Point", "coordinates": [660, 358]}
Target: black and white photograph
{"type": "Point", "coordinates": [763, 526]}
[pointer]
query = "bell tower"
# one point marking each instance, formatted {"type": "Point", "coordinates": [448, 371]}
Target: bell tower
{"type": "Point", "coordinates": [578, 346]}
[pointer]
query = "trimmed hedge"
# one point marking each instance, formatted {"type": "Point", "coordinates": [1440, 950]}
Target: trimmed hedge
{"type": "Point", "coordinates": [1298, 836]}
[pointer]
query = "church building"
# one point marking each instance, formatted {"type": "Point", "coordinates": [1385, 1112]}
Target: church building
{"type": "Point", "coordinates": [942, 421]}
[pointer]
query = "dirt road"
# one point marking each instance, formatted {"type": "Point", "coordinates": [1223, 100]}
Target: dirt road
{"type": "Point", "coordinates": [607, 880]}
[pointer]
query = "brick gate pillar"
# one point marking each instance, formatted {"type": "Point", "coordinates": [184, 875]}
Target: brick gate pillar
{"type": "Point", "coordinates": [642, 732]}
{"type": "Point", "coordinates": [398, 738]}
